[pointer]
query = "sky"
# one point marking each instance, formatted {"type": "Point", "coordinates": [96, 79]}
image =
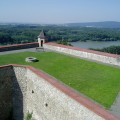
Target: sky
{"type": "Point", "coordinates": [59, 11]}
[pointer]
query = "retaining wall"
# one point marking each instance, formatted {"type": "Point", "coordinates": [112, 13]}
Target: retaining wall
{"type": "Point", "coordinates": [19, 95]}
{"type": "Point", "coordinates": [5, 92]}
{"type": "Point", "coordinates": [48, 99]}
{"type": "Point", "coordinates": [85, 53]}
{"type": "Point", "coordinates": [18, 46]}
{"type": "Point", "coordinates": [12, 93]}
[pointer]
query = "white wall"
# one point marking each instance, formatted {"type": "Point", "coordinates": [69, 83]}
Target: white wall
{"type": "Point", "coordinates": [83, 54]}
{"type": "Point", "coordinates": [59, 105]}
{"type": "Point", "coordinates": [20, 93]}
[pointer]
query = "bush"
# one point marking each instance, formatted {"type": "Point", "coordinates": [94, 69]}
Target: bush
{"type": "Point", "coordinates": [29, 116]}
{"type": "Point", "coordinates": [111, 49]}
{"type": "Point", "coordinates": [64, 42]}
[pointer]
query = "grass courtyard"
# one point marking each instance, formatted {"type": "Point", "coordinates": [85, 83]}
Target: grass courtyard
{"type": "Point", "coordinates": [97, 81]}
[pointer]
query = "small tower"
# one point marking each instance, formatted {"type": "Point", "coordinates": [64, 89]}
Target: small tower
{"type": "Point", "coordinates": [42, 39]}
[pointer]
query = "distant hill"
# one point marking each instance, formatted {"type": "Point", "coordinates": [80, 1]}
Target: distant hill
{"type": "Point", "coordinates": [106, 24]}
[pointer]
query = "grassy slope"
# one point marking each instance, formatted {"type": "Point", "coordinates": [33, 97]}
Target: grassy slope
{"type": "Point", "coordinates": [99, 82]}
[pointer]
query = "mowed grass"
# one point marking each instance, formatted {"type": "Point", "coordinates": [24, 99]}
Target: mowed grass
{"type": "Point", "coordinates": [97, 81]}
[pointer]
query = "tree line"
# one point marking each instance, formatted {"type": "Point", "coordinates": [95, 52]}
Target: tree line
{"type": "Point", "coordinates": [15, 34]}
{"type": "Point", "coordinates": [111, 49]}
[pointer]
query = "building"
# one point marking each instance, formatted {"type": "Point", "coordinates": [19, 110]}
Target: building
{"type": "Point", "coordinates": [42, 39]}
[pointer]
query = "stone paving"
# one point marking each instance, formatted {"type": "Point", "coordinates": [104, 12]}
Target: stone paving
{"type": "Point", "coordinates": [23, 50]}
{"type": "Point", "coordinates": [16, 51]}
{"type": "Point", "coordinates": [115, 108]}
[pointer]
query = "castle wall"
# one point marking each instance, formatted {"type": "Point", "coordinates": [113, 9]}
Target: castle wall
{"type": "Point", "coordinates": [84, 53]}
{"type": "Point", "coordinates": [26, 89]}
{"type": "Point", "coordinates": [18, 46]}
{"type": "Point", "coordinates": [19, 93]}
{"type": "Point", "coordinates": [6, 74]}
{"type": "Point", "coordinates": [79, 52]}
{"type": "Point", "coordinates": [12, 93]}
{"type": "Point", "coordinates": [49, 103]}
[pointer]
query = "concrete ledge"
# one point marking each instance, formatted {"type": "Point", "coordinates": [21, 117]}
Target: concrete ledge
{"type": "Point", "coordinates": [71, 93]}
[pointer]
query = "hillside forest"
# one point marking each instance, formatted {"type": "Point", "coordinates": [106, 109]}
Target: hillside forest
{"type": "Point", "coordinates": [17, 34]}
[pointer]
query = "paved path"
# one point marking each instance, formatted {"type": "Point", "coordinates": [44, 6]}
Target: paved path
{"type": "Point", "coordinates": [16, 51]}
{"type": "Point", "coordinates": [22, 50]}
{"type": "Point", "coordinates": [115, 108]}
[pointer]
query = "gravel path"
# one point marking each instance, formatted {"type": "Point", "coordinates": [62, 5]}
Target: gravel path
{"type": "Point", "coordinates": [115, 108]}
{"type": "Point", "coordinates": [16, 51]}
{"type": "Point", "coordinates": [23, 50]}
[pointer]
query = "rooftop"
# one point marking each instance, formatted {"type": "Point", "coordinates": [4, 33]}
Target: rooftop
{"type": "Point", "coordinates": [42, 35]}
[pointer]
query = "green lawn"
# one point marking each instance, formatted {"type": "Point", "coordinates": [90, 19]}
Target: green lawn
{"type": "Point", "coordinates": [97, 81]}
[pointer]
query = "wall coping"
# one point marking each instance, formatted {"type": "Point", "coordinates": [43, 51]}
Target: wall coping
{"type": "Point", "coordinates": [15, 45]}
{"type": "Point", "coordinates": [99, 110]}
{"type": "Point", "coordinates": [84, 50]}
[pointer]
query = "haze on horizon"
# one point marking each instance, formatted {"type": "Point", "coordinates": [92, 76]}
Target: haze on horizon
{"type": "Point", "coordinates": [59, 11]}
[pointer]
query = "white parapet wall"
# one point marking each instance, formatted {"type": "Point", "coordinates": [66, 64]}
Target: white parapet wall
{"type": "Point", "coordinates": [47, 98]}
{"type": "Point", "coordinates": [49, 103]}
{"type": "Point", "coordinates": [85, 53]}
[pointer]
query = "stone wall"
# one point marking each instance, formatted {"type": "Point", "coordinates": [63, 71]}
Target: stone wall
{"type": "Point", "coordinates": [85, 53]}
{"type": "Point", "coordinates": [29, 89]}
{"type": "Point", "coordinates": [19, 93]}
{"type": "Point", "coordinates": [6, 74]}
{"type": "Point", "coordinates": [51, 100]}
{"type": "Point", "coordinates": [49, 103]}
{"type": "Point", "coordinates": [18, 46]}
{"type": "Point", "coordinates": [12, 93]}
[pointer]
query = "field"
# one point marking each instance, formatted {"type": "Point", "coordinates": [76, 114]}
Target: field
{"type": "Point", "coordinates": [97, 81]}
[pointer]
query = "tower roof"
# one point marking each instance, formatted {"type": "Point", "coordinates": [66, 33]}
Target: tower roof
{"type": "Point", "coordinates": [42, 35]}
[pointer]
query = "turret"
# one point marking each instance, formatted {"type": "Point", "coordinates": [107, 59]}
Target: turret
{"type": "Point", "coordinates": [42, 39]}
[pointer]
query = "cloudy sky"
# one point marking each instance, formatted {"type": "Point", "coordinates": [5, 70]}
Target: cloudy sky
{"type": "Point", "coordinates": [59, 11]}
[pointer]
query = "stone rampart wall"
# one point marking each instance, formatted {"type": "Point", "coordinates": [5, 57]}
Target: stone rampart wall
{"type": "Point", "coordinates": [13, 87]}
{"type": "Point", "coordinates": [19, 93]}
{"type": "Point", "coordinates": [84, 53]}
{"type": "Point", "coordinates": [18, 46]}
{"type": "Point", "coordinates": [49, 103]}
{"type": "Point", "coordinates": [35, 91]}
{"type": "Point", "coordinates": [50, 99]}
{"type": "Point", "coordinates": [6, 74]}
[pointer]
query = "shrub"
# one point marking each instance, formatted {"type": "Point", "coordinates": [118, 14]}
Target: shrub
{"type": "Point", "coordinates": [29, 116]}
